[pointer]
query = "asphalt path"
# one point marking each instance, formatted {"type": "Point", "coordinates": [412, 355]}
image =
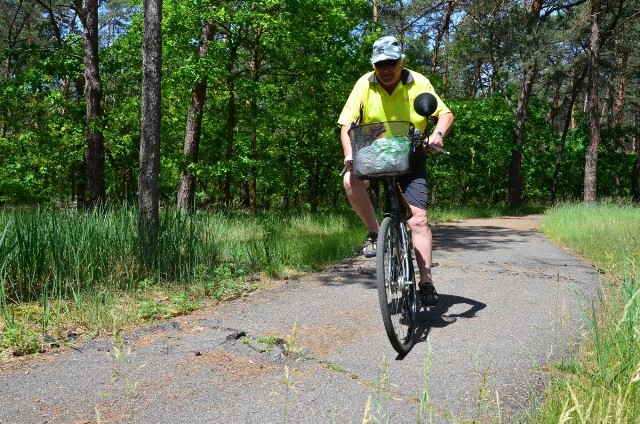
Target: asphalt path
{"type": "Point", "coordinates": [510, 306]}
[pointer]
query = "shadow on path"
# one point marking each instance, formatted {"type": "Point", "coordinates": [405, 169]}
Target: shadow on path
{"type": "Point", "coordinates": [437, 317]}
{"type": "Point", "coordinates": [480, 238]}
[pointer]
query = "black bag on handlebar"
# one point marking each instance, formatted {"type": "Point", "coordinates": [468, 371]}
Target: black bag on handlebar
{"type": "Point", "coordinates": [382, 149]}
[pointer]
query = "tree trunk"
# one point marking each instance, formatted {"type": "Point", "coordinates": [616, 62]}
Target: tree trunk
{"type": "Point", "coordinates": [591, 159]}
{"type": "Point", "coordinates": [440, 35]}
{"type": "Point", "coordinates": [94, 157]}
{"type": "Point", "coordinates": [231, 123]}
{"type": "Point", "coordinates": [187, 188]}
{"type": "Point", "coordinates": [622, 81]}
{"type": "Point", "coordinates": [253, 176]}
{"type": "Point", "coordinates": [577, 84]}
{"type": "Point", "coordinates": [375, 11]}
{"type": "Point", "coordinates": [476, 82]}
{"type": "Point", "coordinates": [515, 166]}
{"type": "Point", "coordinates": [253, 153]}
{"type": "Point", "coordinates": [244, 194]}
{"type": "Point", "coordinates": [151, 109]}
{"type": "Point", "coordinates": [530, 74]}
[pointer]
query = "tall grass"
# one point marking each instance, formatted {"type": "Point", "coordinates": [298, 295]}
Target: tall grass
{"type": "Point", "coordinates": [602, 383]}
{"type": "Point", "coordinates": [56, 263]}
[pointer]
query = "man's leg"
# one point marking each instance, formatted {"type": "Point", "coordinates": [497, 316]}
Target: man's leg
{"type": "Point", "coordinates": [422, 242]}
{"type": "Point", "coordinates": [423, 247]}
{"type": "Point", "coordinates": [356, 190]}
{"type": "Point", "coordinates": [358, 197]}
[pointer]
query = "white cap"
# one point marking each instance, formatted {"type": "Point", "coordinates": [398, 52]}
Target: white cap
{"type": "Point", "coordinates": [386, 48]}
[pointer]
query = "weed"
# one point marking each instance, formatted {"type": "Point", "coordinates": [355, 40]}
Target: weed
{"type": "Point", "coordinates": [288, 383]}
{"type": "Point", "coordinates": [382, 398]}
{"type": "Point", "coordinates": [21, 341]}
{"type": "Point", "coordinates": [336, 368]}
{"type": "Point", "coordinates": [268, 340]}
{"type": "Point", "coordinates": [426, 405]}
{"type": "Point", "coordinates": [161, 307]}
{"type": "Point", "coordinates": [124, 372]}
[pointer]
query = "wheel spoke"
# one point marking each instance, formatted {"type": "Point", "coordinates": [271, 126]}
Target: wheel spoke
{"type": "Point", "coordinates": [395, 288]}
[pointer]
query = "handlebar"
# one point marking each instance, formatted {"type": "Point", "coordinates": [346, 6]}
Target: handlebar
{"type": "Point", "coordinates": [427, 145]}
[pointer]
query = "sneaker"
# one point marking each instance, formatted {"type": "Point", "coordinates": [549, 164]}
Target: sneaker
{"type": "Point", "coordinates": [369, 249]}
{"type": "Point", "coordinates": [428, 294]}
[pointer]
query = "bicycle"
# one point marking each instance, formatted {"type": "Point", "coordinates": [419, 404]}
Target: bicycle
{"type": "Point", "coordinates": [396, 142]}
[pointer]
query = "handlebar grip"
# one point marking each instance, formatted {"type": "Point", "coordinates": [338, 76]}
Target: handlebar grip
{"type": "Point", "coordinates": [439, 149]}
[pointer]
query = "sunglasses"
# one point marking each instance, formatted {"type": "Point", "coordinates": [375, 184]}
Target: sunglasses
{"type": "Point", "coordinates": [386, 64]}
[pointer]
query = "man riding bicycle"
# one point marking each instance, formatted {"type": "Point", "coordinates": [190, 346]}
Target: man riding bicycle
{"type": "Point", "coordinates": [387, 94]}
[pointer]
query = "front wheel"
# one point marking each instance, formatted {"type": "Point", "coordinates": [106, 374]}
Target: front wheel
{"type": "Point", "coordinates": [396, 288]}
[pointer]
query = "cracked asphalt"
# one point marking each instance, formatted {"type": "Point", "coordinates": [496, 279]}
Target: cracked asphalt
{"type": "Point", "coordinates": [510, 306]}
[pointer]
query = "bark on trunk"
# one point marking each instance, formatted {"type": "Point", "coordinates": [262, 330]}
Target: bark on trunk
{"type": "Point", "coordinates": [515, 166]}
{"type": "Point", "coordinates": [622, 82]}
{"type": "Point", "coordinates": [231, 123]}
{"type": "Point", "coordinates": [94, 157]}
{"type": "Point", "coordinates": [187, 188]}
{"type": "Point", "coordinates": [591, 160]}
{"type": "Point", "coordinates": [563, 139]}
{"type": "Point", "coordinates": [255, 77]}
{"type": "Point", "coordinates": [440, 35]}
{"type": "Point", "coordinates": [151, 107]}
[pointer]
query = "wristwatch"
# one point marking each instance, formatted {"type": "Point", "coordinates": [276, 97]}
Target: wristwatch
{"type": "Point", "coordinates": [441, 134]}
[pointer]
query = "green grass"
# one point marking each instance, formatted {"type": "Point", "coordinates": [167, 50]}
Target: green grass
{"type": "Point", "coordinates": [65, 272]}
{"type": "Point", "coordinates": [602, 383]}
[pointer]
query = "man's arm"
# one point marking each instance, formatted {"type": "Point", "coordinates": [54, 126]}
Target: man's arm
{"type": "Point", "coordinates": [445, 121]}
{"type": "Point", "coordinates": [346, 146]}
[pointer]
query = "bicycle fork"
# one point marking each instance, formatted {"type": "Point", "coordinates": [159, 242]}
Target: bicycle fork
{"type": "Point", "coordinates": [403, 275]}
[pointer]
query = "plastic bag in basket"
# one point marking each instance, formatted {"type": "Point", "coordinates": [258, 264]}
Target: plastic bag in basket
{"type": "Point", "coordinates": [385, 156]}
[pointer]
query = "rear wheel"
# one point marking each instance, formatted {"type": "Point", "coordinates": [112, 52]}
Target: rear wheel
{"type": "Point", "coordinates": [396, 288]}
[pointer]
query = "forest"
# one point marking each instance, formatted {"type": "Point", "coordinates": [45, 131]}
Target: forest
{"type": "Point", "coordinates": [545, 95]}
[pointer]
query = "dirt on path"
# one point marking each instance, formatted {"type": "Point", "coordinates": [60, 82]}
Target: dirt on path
{"type": "Point", "coordinates": [510, 305]}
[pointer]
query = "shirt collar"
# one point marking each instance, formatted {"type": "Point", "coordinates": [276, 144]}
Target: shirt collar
{"type": "Point", "coordinates": [406, 77]}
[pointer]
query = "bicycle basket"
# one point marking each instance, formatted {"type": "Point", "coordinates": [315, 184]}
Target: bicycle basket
{"type": "Point", "coordinates": [383, 149]}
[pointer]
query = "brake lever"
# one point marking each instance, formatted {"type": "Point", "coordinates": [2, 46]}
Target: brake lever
{"type": "Point", "coordinates": [428, 145]}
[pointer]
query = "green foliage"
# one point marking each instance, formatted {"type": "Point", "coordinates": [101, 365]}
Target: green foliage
{"type": "Point", "coordinates": [476, 171]}
{"type": "Point", "coordinates": [278, 73]}
{"type": "Point", "coordinates": [20, 341]}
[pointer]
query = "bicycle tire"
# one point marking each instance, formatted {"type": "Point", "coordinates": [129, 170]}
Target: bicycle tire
{"type": "Point", "coordinates": [397, 297]}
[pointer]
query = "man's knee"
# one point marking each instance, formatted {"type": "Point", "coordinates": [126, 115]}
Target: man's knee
{"type": "Point", "coordinates": [418, 218]}
{"type": "Point", "coordinates": [353, 185]}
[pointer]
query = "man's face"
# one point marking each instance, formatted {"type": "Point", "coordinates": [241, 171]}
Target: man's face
{"type": "Point", "coordinates": [388, 72]}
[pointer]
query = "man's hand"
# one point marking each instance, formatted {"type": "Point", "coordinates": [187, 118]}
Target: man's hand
{"type": "Point", "coordinates": [434, 144]}
{"type": "Point", "coordinates": [436, 140]}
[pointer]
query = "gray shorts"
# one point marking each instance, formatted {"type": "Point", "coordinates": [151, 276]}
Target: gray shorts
{"type": "Point", "coordinates": [415, 190]}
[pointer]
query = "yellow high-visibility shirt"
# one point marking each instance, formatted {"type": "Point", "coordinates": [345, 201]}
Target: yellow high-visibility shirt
{"type": "Point", "coordinates": [379, 106]}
